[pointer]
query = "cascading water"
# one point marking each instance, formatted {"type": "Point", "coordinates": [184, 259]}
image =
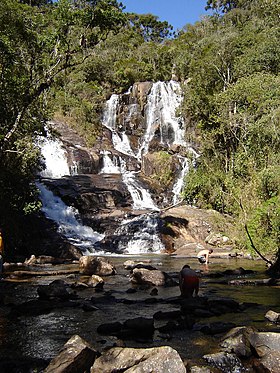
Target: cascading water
{"type": "Point", "coordinates": [68, 221]}
{"type": "Point", "coordinates": [67, 217]}
{"type": "Point", "coordinates": [163, 101]}
{"type": "Point", "coordinates": [145, 240]}
{"type": "Point", "coordinates": [55, 158]}
{"type": "Point", "coordinates": [160, 113]}
{"type": "Point", "coordinates": [139, 234]}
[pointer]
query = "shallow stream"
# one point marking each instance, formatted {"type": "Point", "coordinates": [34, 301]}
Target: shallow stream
{"type": "Point", "coordinates": [28, 342]}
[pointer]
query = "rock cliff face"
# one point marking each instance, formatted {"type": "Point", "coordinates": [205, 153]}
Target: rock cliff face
{"type": "Point", "coordinates": [133, 169]}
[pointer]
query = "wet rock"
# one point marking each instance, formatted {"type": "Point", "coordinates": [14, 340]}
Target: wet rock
{"type": "Point", "coordinates": [109, 328]}
{"type": "Point", "coordinates": [77, 355]}
{"type": "Point", "coordinates": [95, 282]}
{"type": "Point", "coordinates": [163, 315]}
{"type": "Point", "coordinates": [192, 305]}
{"type": "Point", "coordinates": [237, 341]}
{"type": "Point", "coordinates": [237, 272]}
{"type": "Point", "coordinates": [91, 265]}
{"type": "Point", "coordinates": [169, 326]}
{"type": "Point", "coordinates": [154, 292]}
{"type": "Point", "coordinates": [32, 308]}
{"type": "Point", "coordinates": [142, 276]}
{"type": "Point", "coordinates": [131, 291]}
{"type": "Point", "coordinates": [159, 359]}
{"type": "Point", "coordinates": [214, 328]}
{"type": "Point", "coordinates": [265, 342]}
{"type": "Point", "coordinates": [56, 289]}
{"type": "Point", "coordinates": [89, 307]}
{"type": "Point", "coordinates": [142, 325]}
{"type": "Point", "coordinates": [273, 316]}
{"type": "Point", "coordinates": [131, 264]}
{"type": "Point", "coordinates": [225, 362]}
{"type": "Point", "coordinates": [43, 259]}
{"type": "Point", "coordinates": [222, 305]}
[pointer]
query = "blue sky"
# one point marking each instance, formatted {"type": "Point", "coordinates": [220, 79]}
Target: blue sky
{"type": "Point", "coordinates": [176, 12]}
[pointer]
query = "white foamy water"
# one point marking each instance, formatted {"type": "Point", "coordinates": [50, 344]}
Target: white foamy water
{"type": "Point", "coordinates": [161, 113]}
{"type": "Point", "coordinates": [110, 166]}
{"type": "Point", "coordinates": [67, 217]}
{"type": "Point", "coordinates": [55, 158]}
{"type": "Point", "coordinates": [143, 236]}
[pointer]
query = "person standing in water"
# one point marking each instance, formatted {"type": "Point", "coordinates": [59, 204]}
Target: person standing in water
{"type": "Point", "coordinates": [203, 256]}
{"type": "Point", "coordinates": [188, 282]}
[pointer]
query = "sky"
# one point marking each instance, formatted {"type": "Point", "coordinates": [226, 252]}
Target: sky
{"type": "Point", "coordinates": [176, 12]}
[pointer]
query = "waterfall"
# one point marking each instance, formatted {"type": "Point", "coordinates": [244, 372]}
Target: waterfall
{"type": "Point", "coordinates": [109, 166]}
{"type": "Point", "coordinates": [119, 139]}
{"type": "Point", "coordinates": [55, 158]}
{"type": "Point", "coordinates": [67, 218]}
{"type": "Point", "coordinates": [141, 197]}
{"type": "Point", "coordinates": [178, 186]}
{"type": "Point", "coordinates": [140, 235]}
{"type": "Point", "coordinates": [161, 116]}
{"type": "Point", "coordinates": [163, 123]}
{"type": "Point", "coordinates": [163, 102]}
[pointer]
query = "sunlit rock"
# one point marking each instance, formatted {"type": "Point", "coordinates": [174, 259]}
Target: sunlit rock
{"type": "Point", "coordinates": [159, 359]}
{"type": "Point", "coordinates": [77, 355]}
{"type": "Point", "coordinates": [142, 276]}
{"type": "Point", "coordinates": [91, 265]}
{"type": "Point", "coordinates": [273, 316]}
{"type": "Point", "coordinates": [265, 342]}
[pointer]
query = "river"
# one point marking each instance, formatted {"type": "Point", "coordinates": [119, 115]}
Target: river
{"type": "Point", "coordinates": [28, 342]}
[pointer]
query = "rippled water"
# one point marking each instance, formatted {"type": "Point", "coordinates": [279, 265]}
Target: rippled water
{"type": "Point", "coordinates": [31, 341]}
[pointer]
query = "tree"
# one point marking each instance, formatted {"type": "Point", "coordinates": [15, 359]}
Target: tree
{"type": "Point", "coordinates": [37, 45]}
{"type": "Point", "coordinates": [150, 27]}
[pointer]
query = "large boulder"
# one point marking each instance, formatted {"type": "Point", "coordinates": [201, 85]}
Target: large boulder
{"type": "Point", "coordinates": [76, 356]}
{"type": "Point", "coordinates": [143, 276]}
{"type": "Point", "coordinates": [159, 359]}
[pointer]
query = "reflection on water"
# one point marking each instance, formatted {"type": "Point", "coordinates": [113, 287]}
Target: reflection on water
{"type": "Point", "coordinates": [41, 337]}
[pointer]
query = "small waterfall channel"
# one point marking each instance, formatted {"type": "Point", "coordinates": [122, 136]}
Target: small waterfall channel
{"type": "Point", "coordinates": [139, 234]}
{"type": "Point", "coordinates": [67, 217]}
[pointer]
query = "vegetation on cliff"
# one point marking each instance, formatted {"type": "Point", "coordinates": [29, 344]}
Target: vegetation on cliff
{"type": "Point", "coordinates": [63, 59]}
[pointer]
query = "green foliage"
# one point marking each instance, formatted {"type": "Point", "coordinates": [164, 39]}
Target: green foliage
{"type": "Point", "coordinates": [38, 44]}
{"type": "Point", "coordinates": [264, 226]}
{"type": "Point", "coordinates": [232, 100]}
{"type": "Point", "coordinates": [149, 27]}
{"type": "Point", "coordinates": [163, 169]}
